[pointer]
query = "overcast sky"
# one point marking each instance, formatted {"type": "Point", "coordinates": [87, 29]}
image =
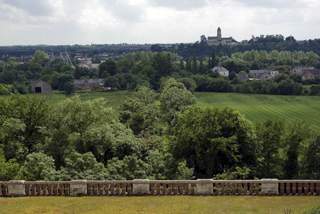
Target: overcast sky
{"type": "Point", "coordinates": [152, 21]}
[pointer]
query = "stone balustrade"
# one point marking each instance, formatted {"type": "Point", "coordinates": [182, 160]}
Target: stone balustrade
{"type": "Point", "coordinates": [159, 187]}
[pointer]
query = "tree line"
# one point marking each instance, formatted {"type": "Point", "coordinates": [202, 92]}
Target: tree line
{"type": "Point", "coordinates": [150, 68]}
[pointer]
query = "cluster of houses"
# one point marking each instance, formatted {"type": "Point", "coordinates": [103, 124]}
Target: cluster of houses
{"type": "Point", "coordinates": [263, 74]}
{"type": "Point", "coordinates": [42, 87]}
{"type": "Point", "coordinates": [90, 85]}
{"type": "Point", "coordinates": [306, 73]}
{"type": "Point", "coordinates": [86, 62]}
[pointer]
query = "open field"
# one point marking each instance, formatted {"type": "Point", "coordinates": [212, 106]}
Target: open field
{"type": "Point", "coordinates": [259, 108]}
{"type": "Point", "coordinates": [155, 205]}
{"type": "Point", "coordinates": [256, 108]}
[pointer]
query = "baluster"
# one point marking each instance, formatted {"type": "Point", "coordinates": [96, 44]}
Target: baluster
{"type": "Point", "coordinates": [318, 188]}
{"type": "Point", "coordinates": [312, 188]}
{"type": "Point", "coordinates": [158, 189]}
{"type": "Point", "coordinates": [108, 187]}
{"type": "Point", "coordinates": [112, 189]}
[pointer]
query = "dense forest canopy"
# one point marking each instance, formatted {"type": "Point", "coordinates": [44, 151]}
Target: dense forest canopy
{"type": "Point", "coordinates": [156, 136]}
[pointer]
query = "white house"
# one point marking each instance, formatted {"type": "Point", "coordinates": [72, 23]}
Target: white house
{"type": "Point", "coordinates": [222, 71]}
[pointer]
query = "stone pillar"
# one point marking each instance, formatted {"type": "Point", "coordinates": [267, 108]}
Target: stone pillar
{"type": "Point", "coordinates": [269, 187]}
{"type": "Point", "coordinates": [204, 187]}
{"type": "Point", "coordinates": [141, 187]}
{"type": "Point", "coordinates": [16, 188]}
{"type": "Point", "coordinates": [78, 188]}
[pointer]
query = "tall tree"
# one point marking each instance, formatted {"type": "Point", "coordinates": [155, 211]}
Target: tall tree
{"type": "Point", "coordinates": [312, 160]}
{"type": "Point", "coordinates": [173, 99]}
{"type": "Point", "coordinates": [270, 142]}
{"type": "Point", "coordinates": [297, 134]}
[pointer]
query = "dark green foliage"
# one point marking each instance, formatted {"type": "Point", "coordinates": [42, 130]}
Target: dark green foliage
{"type": "Point", "coordinates": [141, 112]}
{"type": "Point", "coordinates": [8, 169]}
{"type": "Point", "coordinates": [82, 166]}
{"type": "Point", "coordinates": [312, 160]}
{"type": "Point", "coordinates": [154, 137]}
{"type": "Point", "coordinates": [38, 166]}
{"type": "Point", "coordinates": [23, 124]}
{"type": "Point", "coordinates": [189, 83]}
{"type": "Point", "coordinates": [294, 141]}
{"type": "Point", "coordinates": [213, 141]}
{"type": "Point", "coordinates": [107, 68]}
{"type": "Point", "coordinates": [315, 90]}
{"type": "Point", "coordinates": [269, 136]}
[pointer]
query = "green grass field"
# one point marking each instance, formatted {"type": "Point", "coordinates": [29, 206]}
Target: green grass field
{"type": "Point", "coordinates": [259, 108]}
{"type": "Point", "coordinates": [157, 205]}
{"type": "Point", "coordinates": [256, 108]}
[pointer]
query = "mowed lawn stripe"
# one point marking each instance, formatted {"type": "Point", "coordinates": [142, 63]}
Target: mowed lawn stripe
{"type": "Point", "coordinates": [259, 108]}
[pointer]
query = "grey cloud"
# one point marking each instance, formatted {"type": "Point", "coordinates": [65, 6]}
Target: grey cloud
{"type": "Point", "coordinates": [271, 3]}
{"type": "Point", "coordinates": [180, 4]}
{"type": "Point", "coordinates": [123, 10]}
{"type": "Point", "coordinates": [32, 7]}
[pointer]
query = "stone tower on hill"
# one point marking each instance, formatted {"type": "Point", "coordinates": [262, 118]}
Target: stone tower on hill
{"type": "Point", "coordinates": [219, 40]}
{"type": "Point", "coordinates": [219, 33]}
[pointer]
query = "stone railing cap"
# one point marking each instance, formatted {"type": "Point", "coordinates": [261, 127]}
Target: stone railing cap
{"type": "Point", "coordinates": [79, 181]}
{"type": "Point", "coordinates": [143, 181]}
{"type": "Point", "coordinates": [205, 180]}
{"type": "Point", "coordinates": [17, 181]}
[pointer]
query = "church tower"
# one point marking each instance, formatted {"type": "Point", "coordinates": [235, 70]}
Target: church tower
{"type": "Point", "coordinates": [219, 33]}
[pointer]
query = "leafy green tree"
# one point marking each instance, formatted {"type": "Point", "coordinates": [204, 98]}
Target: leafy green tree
{"type": "Point", "coordinates": [174, 98]}
{"type": "Point", "coordinates": [131, 167]}
{"type": "Point", "coordinates": [40, 57]}
{"type": "Point", "coordinates": [68, 88]}
{"type": "Point", "coordinates": [298, 133]}
{"type": "Point", "coordinates": [141, 112]}
{"type": "Point", "coordinates": [164, 166]}
{"type": "Point", "coordinates": [189, 83]}
{"type": "Point", "coordinates": [311, 167]}
{"type": "Point", "coordinates": [88, 126]}
{"type": "Point", "coordinates": [107, 68]}
{"type": "Point", "coordinates": [38, 166]}
{"type": "Point", "coordinates": [82, 166]}
{"type": "Point", "coordinates": [8, 169]}
{"type": "Point", "coordinates": [24, 121]}
{"type": "Point", "coordinates": [212, 141]}
{"type": "Point", "coordinates": [270, 139]}
{"type": "Point", "coordinates": [239, 173]}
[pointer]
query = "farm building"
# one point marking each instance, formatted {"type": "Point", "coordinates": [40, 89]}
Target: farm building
{"type": "Point", "coordinates": [262, 74]}
{"type": "Point", "coordinates": [89, 84]}
{"type": "Point", "coordinates": [40, 87]}
{"type": "Point", "coordinates": [307, 73]}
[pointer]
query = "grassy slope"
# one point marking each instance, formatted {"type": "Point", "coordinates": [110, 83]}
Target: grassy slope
{"type": "Point", "coordinates": [154, 205]}
{"type": "Point", "coordinates": [258, 108]}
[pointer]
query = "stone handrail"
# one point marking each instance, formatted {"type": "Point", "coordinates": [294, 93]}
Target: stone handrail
{"type": "Point", "coordinates": [160, 187]}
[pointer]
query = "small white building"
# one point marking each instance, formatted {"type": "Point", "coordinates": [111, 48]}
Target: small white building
{"type": "Point", "coordinates": [222, 71]}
